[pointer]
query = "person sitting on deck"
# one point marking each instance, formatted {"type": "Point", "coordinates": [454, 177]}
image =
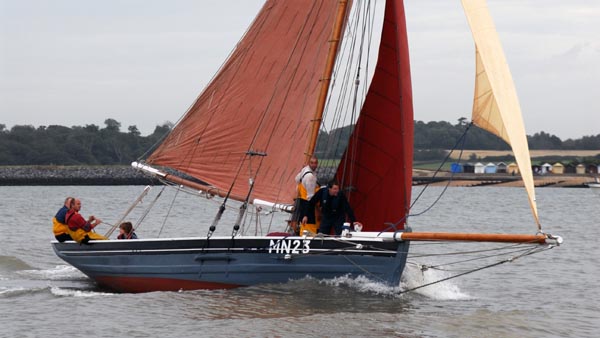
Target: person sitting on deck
{"type": "Point", "coordinates": [80, 229]}
{"type": "Point", "coordinates": [334, 209]}
{"type": "Point", "coordinates": [59, 224]}
{"type": "Point", "coordinates": [126, 231]}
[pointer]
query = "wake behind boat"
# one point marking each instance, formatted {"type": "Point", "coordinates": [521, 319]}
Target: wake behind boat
{"type": "Point", "coordinates": [257, 123]}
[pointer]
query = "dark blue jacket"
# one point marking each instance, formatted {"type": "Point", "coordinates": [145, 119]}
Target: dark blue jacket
{"type": "Point", "coordinates": [61, 215]}
{"type": "Point", "coordinates": [333, 208]}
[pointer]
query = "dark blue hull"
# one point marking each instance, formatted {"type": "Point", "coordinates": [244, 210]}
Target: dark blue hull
{"type": "Point", "coordinates": [198, 263]}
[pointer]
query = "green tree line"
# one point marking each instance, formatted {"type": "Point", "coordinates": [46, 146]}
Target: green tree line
{"type": "Point", "coordinates": [108, 145]}
{"type": "Point", "coordinates": [431, 139]}
{"type": "Point", "coordinates": [444, 135]}
{"type": "Point", "coordinates": [76, 145]}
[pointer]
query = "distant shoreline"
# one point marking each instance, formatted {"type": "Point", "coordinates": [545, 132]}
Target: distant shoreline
{"type": "Point", "coordinates": [125, 175]}
{"type": "Point", "coordinates": [421, 177]}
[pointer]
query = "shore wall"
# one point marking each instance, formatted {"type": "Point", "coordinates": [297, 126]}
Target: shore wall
{"type": "Point", "coordinates": [125, 175]}
{"type": "Point", "coordinates": [73, 175]}
{"type": "Point", "coordinates": [502, 180]}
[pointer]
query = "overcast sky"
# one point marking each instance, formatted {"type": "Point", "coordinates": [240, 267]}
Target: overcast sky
{"type": "Point", "coordinates": [143, 62]}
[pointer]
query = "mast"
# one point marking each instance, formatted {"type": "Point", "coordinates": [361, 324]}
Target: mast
{"type": "Point", "coordinates": [326, 79]}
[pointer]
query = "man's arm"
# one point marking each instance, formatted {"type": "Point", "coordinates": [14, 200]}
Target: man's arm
{"type": "Point", "coordinates": [310, 206]}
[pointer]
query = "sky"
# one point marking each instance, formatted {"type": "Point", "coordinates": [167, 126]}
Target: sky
{"type": "Point", "coordinates": [144, 62]}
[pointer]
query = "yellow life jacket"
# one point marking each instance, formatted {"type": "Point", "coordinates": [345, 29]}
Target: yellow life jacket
{"type": "Point", "coordinates": [302, 193]}
{"type": "Point", "coordinates": [59, 228]}
{"type": "Point", "coordinates": [311, 227]}
{"type": "Point", "coordinates": [79, 234]}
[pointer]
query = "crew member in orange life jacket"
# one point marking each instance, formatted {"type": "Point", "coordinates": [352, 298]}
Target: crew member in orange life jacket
{"type": "Point", "coordinates": [80, 229]}
{"type": "Point", "coordinates": [307, 186]}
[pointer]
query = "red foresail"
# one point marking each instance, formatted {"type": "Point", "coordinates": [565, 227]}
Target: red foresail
{"type": "Point", "coordinates": [377, 165]}
{"type": "Point", "coordinates": [261, 102]}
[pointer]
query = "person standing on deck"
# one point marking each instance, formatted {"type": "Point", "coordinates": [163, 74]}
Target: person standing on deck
{"type": "Point", "coordinates": [334, 208]}
{"type": "Point", "coordinates": [307, 186]}
{"type": "Point", "coordinates": [80, 229]}
{"type": "Point", "coordinates": [59, 224]}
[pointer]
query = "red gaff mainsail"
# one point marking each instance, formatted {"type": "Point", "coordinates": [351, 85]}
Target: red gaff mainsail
{"type": "Point", "coordinates": [262, 101]}
{"type": "Point", "coordinates": [377, 165]}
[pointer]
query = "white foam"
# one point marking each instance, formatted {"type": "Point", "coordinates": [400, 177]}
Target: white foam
{"type": "Point", "coordinates": [363, 284]}
{"type": "Point", "coordinates": [414, 276]}
{"type": "Point", "coordinates": [4, 291]}
{"type": "Point", "coordinates": [77, 293]}
{"type": "Point", "coordinates": [17, 291]}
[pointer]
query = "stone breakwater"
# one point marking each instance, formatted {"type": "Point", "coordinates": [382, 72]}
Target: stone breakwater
{"type": "Point", "coordinates": [73, 175]}
{"type": "Point", "coordinates": [125, 175]}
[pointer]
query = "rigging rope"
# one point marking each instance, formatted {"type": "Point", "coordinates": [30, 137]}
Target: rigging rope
{"type": "Point", "coordinates": [141, 219]}
{"type": "Point", "coordinates": [131, 207]}
{"type": "Point", "coordinates": [168, 213]}
{"type": "Point", "coordinates": [346, 100]}
{"type": "Point", "coordinates": [461, 140]}
{"type": "Point", "coordinates": [511, 259]}
{"type": "Point", "coordinates": [355, 95]}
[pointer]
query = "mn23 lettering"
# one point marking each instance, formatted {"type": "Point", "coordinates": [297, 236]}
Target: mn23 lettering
{"type": "Point", "coordinates": [289, 246]}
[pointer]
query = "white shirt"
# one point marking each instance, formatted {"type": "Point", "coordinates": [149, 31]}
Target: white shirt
{"type": "Point", "coordinates": [309, 181]}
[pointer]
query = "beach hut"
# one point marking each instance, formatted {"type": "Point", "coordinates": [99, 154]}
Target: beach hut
{"type": "Point", "coordinates": [558, 168]}
{"type": "Point", "coordinates": [546, 168]}
{"type": "Point", "coordinates": [512, 169]}
{"type": "Point", "coordinates": [536, 169]}
{"type": "Point", "coordinates": [570, 168]}
{"type": "Point", "coordinates": [490, 168]}
{"type": "Point", "coordinates": [469, 168]}
{"type": "Point", "coordinates": [456, 168]}
{"type": "Point", "coordinates": [580, 169]}
{"type": "Point", "coordinates": [501, 168]}
{"type": "Point", "coordinates": [592, 169]}
{"type": "Point", "coordinates": [479, 168]}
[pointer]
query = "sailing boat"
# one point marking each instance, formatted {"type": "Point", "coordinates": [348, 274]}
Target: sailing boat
{"type": "Point", "coordinates": [595, 185]}
{"type": "Point", "coordinates": [256, 124]}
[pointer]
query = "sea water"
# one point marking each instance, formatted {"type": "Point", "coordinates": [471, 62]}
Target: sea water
{"type": "Point", "coordinates": [554, 293]}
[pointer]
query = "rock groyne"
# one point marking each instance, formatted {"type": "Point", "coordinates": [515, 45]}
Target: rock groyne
{"type": "Point", "coordinates": [72, 175]}
{"type": "Point", "coordinates": [125, 175]}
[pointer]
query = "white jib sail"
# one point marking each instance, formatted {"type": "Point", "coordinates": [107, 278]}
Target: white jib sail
{"type": "Point", "coordinates": [496, 105]}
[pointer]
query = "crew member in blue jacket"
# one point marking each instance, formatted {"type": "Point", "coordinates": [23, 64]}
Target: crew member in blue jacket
{"type": "Point", "coordinates": [59, 224]}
